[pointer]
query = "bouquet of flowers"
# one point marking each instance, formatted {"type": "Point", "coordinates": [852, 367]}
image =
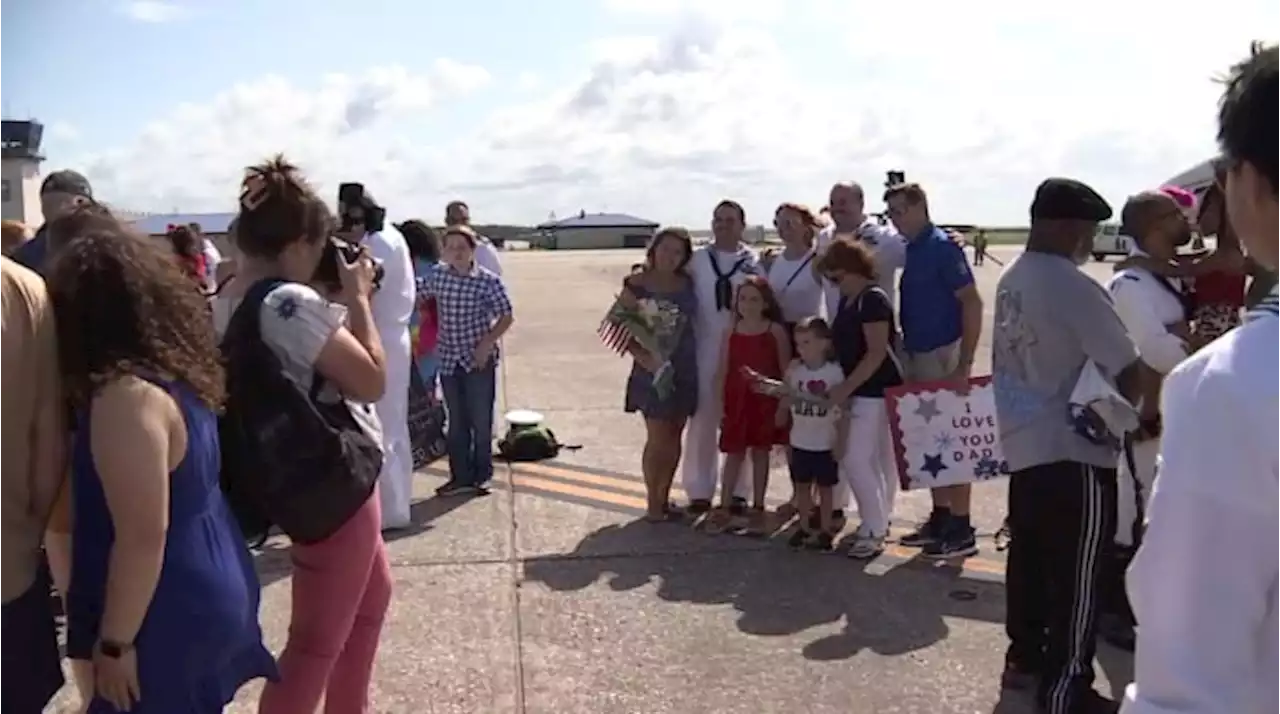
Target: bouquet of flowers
{"type": "Point", "coordinates": [779, 389]}
{"type": "Point", "coordinates": [653, 325]}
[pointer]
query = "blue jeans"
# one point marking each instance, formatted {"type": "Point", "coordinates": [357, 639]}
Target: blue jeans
{"type": "Point", "coordinates": [469, 395]}
{"type": "Point", "coordinates": [428, 367]}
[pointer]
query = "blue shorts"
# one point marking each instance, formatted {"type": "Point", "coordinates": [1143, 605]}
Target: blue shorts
{"type": "Point", "coordinates": [814, 467]}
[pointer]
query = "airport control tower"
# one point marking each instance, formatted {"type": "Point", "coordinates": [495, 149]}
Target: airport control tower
{"type": "Point", "coordinates": [20, 170]}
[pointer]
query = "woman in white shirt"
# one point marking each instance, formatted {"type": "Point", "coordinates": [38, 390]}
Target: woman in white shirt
{"type": "Point", "coordinates": [791, 273]}
{"type": "Point", "coordinates": [799, 290]}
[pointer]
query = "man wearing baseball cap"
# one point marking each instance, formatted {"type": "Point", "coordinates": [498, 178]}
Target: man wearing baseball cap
{"type": "Point", "coordinates": [1051, 319]}
{"type": "Point", "coordinates": [61, 192]}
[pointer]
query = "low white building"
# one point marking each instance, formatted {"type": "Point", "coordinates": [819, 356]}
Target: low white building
{"type": "Point", "coordinates": [595, 230]}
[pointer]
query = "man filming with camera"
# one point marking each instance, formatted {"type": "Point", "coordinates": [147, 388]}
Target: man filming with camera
{"type": "Point", "coordinates": [364, 224]}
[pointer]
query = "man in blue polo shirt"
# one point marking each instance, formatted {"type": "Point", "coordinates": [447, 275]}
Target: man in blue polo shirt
{"type": "Point", "coordinates": [941, 317]}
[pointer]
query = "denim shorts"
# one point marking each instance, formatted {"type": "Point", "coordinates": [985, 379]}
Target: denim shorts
{"type": "Point", "coordinates": [814, 467]}
{"type": "Point", "coordinates": [32, 665]}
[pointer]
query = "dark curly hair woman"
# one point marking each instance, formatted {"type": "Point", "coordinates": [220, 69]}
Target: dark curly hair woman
{"type": "Point", "coordinates": [163, 597]}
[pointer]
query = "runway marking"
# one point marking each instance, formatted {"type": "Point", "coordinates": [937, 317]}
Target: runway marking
{"type": "Point", "coordinates": [625, 493]}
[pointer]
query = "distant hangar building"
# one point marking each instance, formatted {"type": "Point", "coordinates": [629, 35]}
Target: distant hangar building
{"type": "Point", "coordinates": [595, 230]}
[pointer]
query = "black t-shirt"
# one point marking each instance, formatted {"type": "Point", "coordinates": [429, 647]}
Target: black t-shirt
{"type": "Point", "coordinates": [872, 305]}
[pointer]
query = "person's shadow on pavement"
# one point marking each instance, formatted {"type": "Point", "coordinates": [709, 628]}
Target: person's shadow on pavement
{"type": "Point", "coordinates": [778, 592]}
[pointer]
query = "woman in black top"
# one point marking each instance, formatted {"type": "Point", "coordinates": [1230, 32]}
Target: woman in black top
{"type": "Point", "coordinates": [863, 335]}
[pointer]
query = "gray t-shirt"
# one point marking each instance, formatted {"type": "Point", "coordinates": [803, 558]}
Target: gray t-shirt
{"type": "Point", "coordinates": [1050, 318]}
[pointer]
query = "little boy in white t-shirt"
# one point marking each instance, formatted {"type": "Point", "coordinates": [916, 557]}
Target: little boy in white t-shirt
{"type": "Point", "coordinates": [817, 431]}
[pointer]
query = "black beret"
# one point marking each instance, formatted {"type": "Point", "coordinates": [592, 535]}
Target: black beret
{"type": "Point", "coordinates": [1064, 199]}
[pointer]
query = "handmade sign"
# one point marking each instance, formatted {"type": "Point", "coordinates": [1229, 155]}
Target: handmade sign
{"type": "Point", "coordinates": [943, 438]}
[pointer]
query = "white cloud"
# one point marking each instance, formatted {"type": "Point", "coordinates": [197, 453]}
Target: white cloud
{"type": "Point", "coordinates": [977, 106]}
{"type": "Point", "coordinates": [155, 11]}
{"type": "Point", "coordinates": [63, 131]}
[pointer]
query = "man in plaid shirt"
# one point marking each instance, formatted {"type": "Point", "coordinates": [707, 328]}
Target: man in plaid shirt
{"type": "Point", "coordinates": [474, 312]}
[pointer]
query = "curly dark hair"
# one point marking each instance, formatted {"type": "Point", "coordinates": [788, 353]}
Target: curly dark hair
{"type": "Point", "coordinates": [278, 208]}
{"type": "Point", "coordinates": [124, 306]}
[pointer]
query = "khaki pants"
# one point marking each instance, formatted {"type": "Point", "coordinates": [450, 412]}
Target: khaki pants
{"type": "Point", "coordinates": [931, 365]}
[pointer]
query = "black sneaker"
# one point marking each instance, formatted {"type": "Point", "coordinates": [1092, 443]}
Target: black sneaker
{"type": "Point", "coordinates": [698, 507]}
{"type": "Point", "coordinates": [453, 488]}
{"type": "Point", "coordinates": [957, 543]}
{"type": "Point", "coordinates": [823, 542]}
{"type": "Point", "coordinates": [738, 506]}
{"type": "Point", "coordinates": [927, 533]}
{"type": "Point", "coordinates": [797, 539]}
{"type": "Point", "coordinates": [476, 490]}
{"type": "Point", "coordinates": [1018, 679]}
{"type": "Point", "coordinates": [838, 521]}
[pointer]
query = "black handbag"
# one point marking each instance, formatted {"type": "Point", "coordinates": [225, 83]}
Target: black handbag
{"type": "Point", "coordinates": [426, 422]}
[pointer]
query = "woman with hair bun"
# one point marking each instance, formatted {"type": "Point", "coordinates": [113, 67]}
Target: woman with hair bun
{"type": "Point", "coordinates": [342, 584]}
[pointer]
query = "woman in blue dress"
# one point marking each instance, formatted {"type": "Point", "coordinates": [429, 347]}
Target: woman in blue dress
{"type": "Point", "coordinates": [662, 280]}
{"type": "Point", "coordinates": [163, 597]}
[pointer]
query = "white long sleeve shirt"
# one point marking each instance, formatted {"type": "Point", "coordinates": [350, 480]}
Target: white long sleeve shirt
{"type": "Point", "coordinates": [487, 256]}
{"type": "Point", "coordinates": [1147, 308]}
{"type": "Point", "coordinates": [1203, 584]}
{"type": "Point", "coordinates": [889, 249]}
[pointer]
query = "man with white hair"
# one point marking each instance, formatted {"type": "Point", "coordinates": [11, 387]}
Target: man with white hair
{"type": "Point", "coordinates": [847, 208]}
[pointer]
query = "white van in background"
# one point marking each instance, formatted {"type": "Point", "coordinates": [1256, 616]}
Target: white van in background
{"type": "Point", "coordinates": [1109, 241]}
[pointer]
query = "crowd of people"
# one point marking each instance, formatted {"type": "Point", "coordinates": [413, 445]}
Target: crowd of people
{"type": "Point", "coordinates": [139, 367]}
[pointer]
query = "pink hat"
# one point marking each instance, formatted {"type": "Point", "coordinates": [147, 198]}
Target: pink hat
{"type": "Point", "coordinates": [1184, 198]}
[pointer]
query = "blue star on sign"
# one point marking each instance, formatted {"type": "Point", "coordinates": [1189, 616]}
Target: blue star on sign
{"type": "Point", "coordinates": [928, 409]}
{"type": "Point", "coordinates": [933, 464]}
{"type": "Point", "coordinates": [986, 468]}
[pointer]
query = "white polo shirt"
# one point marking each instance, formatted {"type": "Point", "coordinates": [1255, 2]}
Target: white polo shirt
{"type": "Point", "coordinates": [1147, 309]}
{"type": "Point", "coordinates": [889, 249]}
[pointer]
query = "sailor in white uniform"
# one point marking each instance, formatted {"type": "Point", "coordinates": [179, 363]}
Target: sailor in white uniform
{"type": "Point", "coordinates": [717, 268]}
{"type": "Point", "coordinates": [392, 308]}
{"type": "Point", "coordinates": [1155, 311]}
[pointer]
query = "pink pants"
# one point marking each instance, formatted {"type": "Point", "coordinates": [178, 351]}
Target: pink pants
{"type": "Point", "coordinates": [341, 590]}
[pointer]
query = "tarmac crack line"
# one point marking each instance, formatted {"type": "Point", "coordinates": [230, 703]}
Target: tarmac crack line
{"type": "Point", "coordinates": [515, 563]}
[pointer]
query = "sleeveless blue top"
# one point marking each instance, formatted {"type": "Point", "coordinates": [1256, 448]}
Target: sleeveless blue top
{"type": "Point", "coordinates": [200, 640]}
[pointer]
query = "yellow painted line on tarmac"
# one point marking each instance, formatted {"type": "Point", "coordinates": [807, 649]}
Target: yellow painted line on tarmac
{"type": "Point", "coordinates": [534, 469]}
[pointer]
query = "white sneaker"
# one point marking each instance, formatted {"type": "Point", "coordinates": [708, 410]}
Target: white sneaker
{"type": "Point", "coordinates": [866, 546]}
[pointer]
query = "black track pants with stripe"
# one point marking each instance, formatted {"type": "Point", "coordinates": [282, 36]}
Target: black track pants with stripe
{"type": "Point", "coordinates": [1062, 517]}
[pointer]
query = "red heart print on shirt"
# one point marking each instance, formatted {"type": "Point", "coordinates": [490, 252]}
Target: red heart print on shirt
{"type": "Point", "coordinates": [816, 386]}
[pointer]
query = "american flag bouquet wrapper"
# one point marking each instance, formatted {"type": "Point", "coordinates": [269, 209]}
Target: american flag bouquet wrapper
{"type": "Point", "coordinates": [653, 325]}
{"type": "Point", "coordinates": [779, 389]}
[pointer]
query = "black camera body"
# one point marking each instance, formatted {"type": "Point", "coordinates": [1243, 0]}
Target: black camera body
{"type": "Point", "coordinates": [327, 270]}
{"type": "Point", "coordinates": [353, 202]}
{"type": "Point", "coordinates": [894, 178]}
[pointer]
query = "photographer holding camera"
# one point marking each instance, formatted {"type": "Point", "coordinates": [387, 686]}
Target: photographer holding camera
{"type": "Point", "coordinates": [364, 225]}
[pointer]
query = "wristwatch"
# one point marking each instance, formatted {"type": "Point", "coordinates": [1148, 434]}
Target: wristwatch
{"type": "Point", "coordinates": [114, 650]}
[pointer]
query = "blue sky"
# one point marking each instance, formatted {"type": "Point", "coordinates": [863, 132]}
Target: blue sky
{"type": "Point", "coordinates": [656, 108]}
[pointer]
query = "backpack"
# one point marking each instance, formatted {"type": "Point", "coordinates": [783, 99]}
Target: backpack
{"type": "Point", "coordinates": [529, 442]}
{"type": "Point", "coordinates": [288, 459]}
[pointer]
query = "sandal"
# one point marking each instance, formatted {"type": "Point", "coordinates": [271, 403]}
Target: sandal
{"type": "Point", "coordinates": [787, 511]}
{"type": "Point", "coordinates": [756, 523]}
{"type": "Point", "coordinates": [670, 514]}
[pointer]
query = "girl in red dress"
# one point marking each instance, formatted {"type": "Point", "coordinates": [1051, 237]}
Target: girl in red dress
{"type": "Point", "coordinates": [756, 340]}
